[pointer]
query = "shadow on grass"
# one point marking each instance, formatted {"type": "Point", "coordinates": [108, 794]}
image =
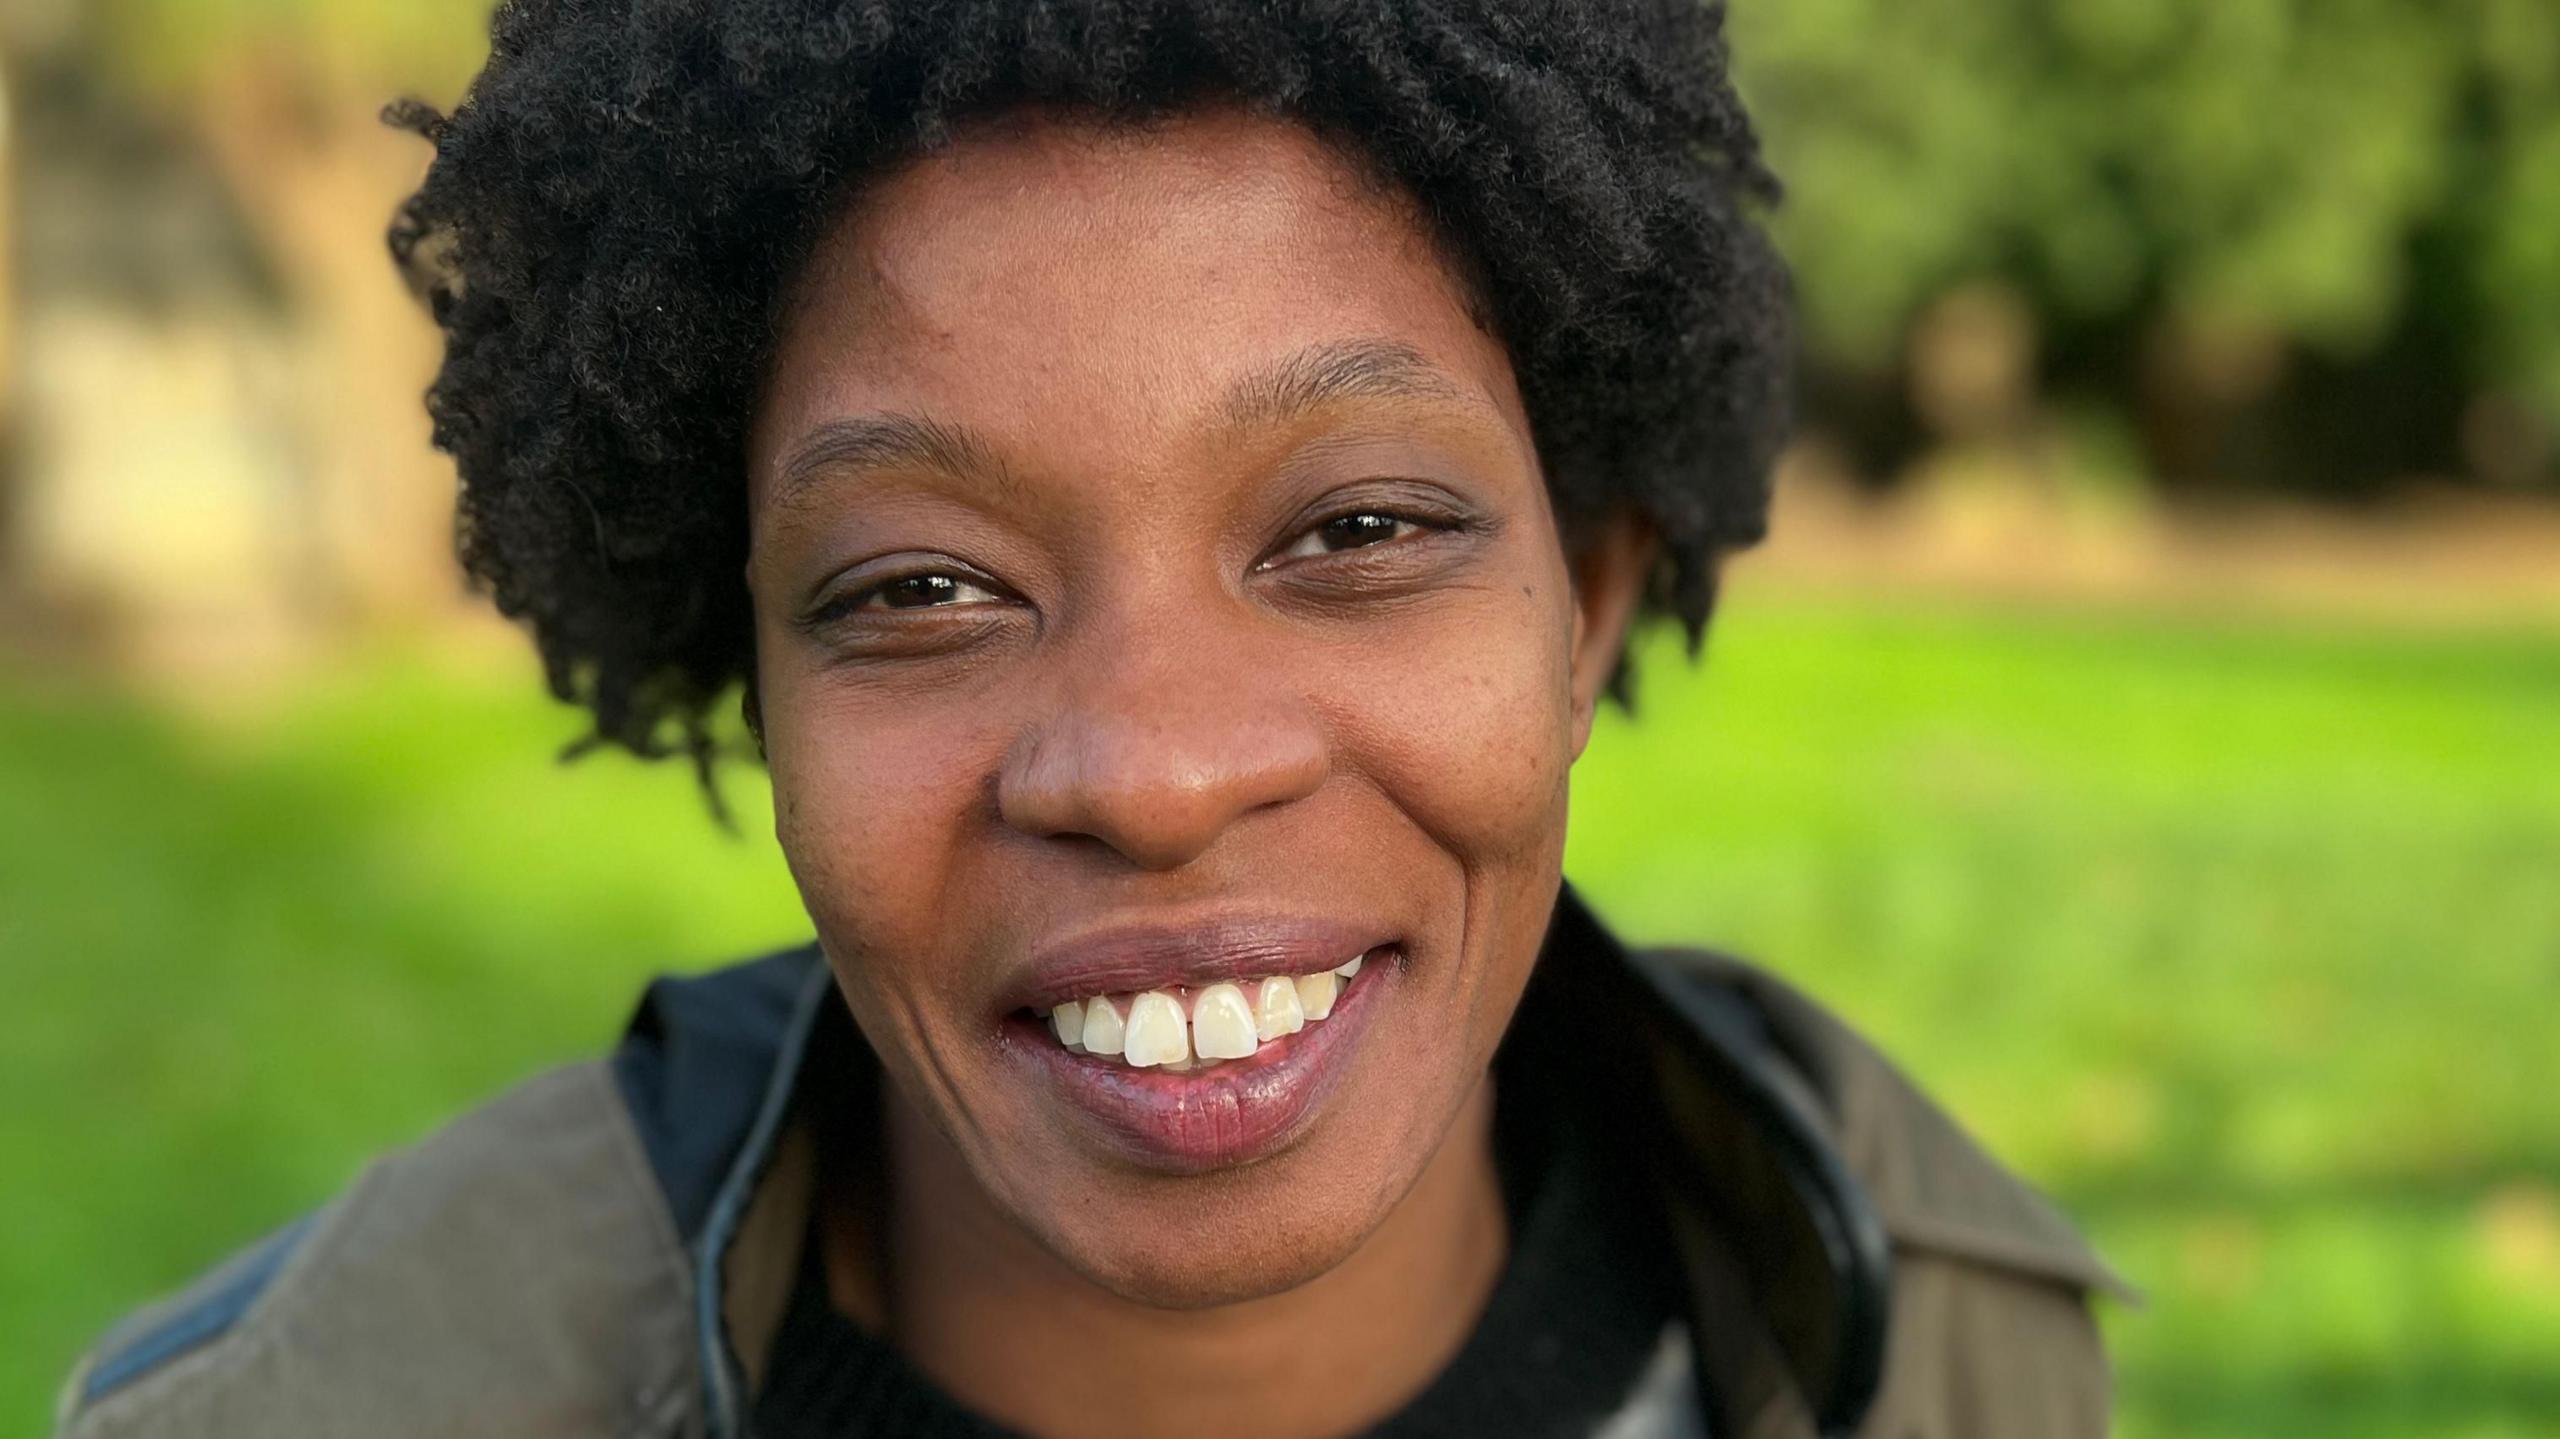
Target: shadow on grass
{"type": "Point", "coordinates": [2168, 1188]}
{"type": "Point", "coordinates": [2440, 1395]}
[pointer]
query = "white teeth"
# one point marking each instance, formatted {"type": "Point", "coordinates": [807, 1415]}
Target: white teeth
{"type": "Point", "coordinates": [1103, 1031]}
{"type": "Point", "coordinates": [1156, 1034]}
{"type": "Point", "coordinates": [1315, 993]}
{"type": "Point", "coordinates": [1222, 1023]}
{"type": "Point", "coordinates": [1227, 1020]}
{"type": "Point", "coordinates": [1276, 1010]}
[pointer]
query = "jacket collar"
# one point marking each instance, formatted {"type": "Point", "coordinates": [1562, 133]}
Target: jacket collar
{"type": "Point", "coordinates": [1787, 1263]}
{"type": "Point", "coordinates": [1786, 1260]}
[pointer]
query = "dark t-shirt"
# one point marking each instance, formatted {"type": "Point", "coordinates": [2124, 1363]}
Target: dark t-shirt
{"type": "Point", "coordinates": [1582, 1312]}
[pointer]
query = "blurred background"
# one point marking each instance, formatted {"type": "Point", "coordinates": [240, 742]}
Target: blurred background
{"type": "Point", "coordinates": [2146, 721]}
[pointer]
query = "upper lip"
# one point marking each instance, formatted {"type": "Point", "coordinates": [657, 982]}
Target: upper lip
{"type": "Point", "coordinates": [1125, 956]}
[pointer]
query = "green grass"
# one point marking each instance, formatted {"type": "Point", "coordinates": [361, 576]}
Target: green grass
{"type": "Point", "coordinates": [2243, 938]}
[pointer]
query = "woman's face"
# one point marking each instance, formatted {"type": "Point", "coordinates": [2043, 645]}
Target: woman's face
{"type": "Point", "coordinates": [1159, 608]}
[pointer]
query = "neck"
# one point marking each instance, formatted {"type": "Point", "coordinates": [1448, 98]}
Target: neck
{"type": "Point", "coordinates": [1014, 1334]}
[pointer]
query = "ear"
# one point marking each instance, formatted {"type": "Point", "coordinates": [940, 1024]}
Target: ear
{"type": "Point", "coordinates": [1608, 562]}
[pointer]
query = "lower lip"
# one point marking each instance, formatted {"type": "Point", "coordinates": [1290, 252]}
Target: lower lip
{"type": "Point", "coordinates": [1240, 1111]}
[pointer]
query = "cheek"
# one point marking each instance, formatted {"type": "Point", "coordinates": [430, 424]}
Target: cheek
{"type": "Point", "coordinates": [1466, 724]}
{"type": "Point", "coordinates": [873, 802]}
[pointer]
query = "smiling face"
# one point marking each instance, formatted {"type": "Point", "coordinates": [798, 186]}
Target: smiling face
{"type": "Point", "coordinates": [1156, 589]}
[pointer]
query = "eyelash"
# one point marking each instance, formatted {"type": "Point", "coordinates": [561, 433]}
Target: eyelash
{"type": "Point", "coordinates": [860, 601]}
{"type": "Point", "coordinates": [1426, 524]}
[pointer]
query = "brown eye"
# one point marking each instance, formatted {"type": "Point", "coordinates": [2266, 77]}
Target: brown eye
{"type": "Point", "coordinates": [1352, 531]}
{"type": "Point", "coordinates": [925, 591]}
{"type": "Point", "coordinates": [1347, 532]}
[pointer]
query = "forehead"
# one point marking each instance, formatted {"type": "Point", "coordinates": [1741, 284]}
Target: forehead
{"type": "Point", "coordinates": [1087, 287]}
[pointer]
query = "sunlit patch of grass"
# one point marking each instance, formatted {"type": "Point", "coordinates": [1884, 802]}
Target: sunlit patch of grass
{"type": "Point", "coordinates": [2244, 940]}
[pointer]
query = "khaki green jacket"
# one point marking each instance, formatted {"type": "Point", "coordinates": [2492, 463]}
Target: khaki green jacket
{"type": "Point", "coordinates": [606, 1250]}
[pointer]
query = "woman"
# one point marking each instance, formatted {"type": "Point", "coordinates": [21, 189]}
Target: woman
{"type": "Point", "coordinates": [1172, 482]}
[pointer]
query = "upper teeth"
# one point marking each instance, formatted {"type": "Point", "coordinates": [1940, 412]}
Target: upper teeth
{"type": "Point", "coordinates": [1175, 1028]}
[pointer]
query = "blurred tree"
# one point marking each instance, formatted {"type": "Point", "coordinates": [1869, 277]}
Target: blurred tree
{"type": "Point", "coordinates": [8, 271]}
{"type": "Point", "coordinates": [2299, 240]}
{"type": "Point", "coordinates": [8, 338]}
{"type": "Point", "coordinates": [283, 98]}
{"type": "Point", "coordinates": [2306, 242]}
{"type": "Point", "coordinates": [171, 46]}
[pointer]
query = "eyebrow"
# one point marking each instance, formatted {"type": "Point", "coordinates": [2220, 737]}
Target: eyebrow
{"type": "Point", "coordinates": [1305, 381]}
{"type": "Point", "coordinates": [889, 441]}
{"type": "Point", "coordinates": [1321, 374]}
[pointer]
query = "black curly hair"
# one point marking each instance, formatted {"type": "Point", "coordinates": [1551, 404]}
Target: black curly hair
{"type": "Point", "coordinates": [615, 210]}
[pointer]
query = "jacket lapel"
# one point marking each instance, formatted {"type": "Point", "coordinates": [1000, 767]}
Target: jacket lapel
{"type": "Point", "coordinates": [1787, 1265]}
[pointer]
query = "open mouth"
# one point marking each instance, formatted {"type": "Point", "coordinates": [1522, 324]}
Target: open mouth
{"type": "Point", "coordinates": [1185, 1079]}
{"type": "Point", "coordinates": [1182, 1029]}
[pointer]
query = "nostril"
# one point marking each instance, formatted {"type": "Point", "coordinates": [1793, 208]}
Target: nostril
{"type": "Point", "coordinates": [1157, 771]}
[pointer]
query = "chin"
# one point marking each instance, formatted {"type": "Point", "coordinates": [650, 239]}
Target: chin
{"type": "Point", "coordinates": [1230, 1236]}
{"type": "Point", "coordinates": [1199, 1265]}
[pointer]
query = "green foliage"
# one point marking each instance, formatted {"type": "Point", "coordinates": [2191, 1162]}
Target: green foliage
{"type": "Point", "coordinates": [2314, 167]}
{"type": "Point", "coordinates": [2335, 174]}
{"type": "Point", "coordinates": [2240, 937]}
{"type": "Point", "coordinates": [428, 46]}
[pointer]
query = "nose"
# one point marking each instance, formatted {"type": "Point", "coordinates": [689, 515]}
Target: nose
{"type": "Point", "coordinates": [1157, 751]}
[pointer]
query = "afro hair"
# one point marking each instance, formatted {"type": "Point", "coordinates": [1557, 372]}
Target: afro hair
{"type": "Point", "coordinates": [615, 211]}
